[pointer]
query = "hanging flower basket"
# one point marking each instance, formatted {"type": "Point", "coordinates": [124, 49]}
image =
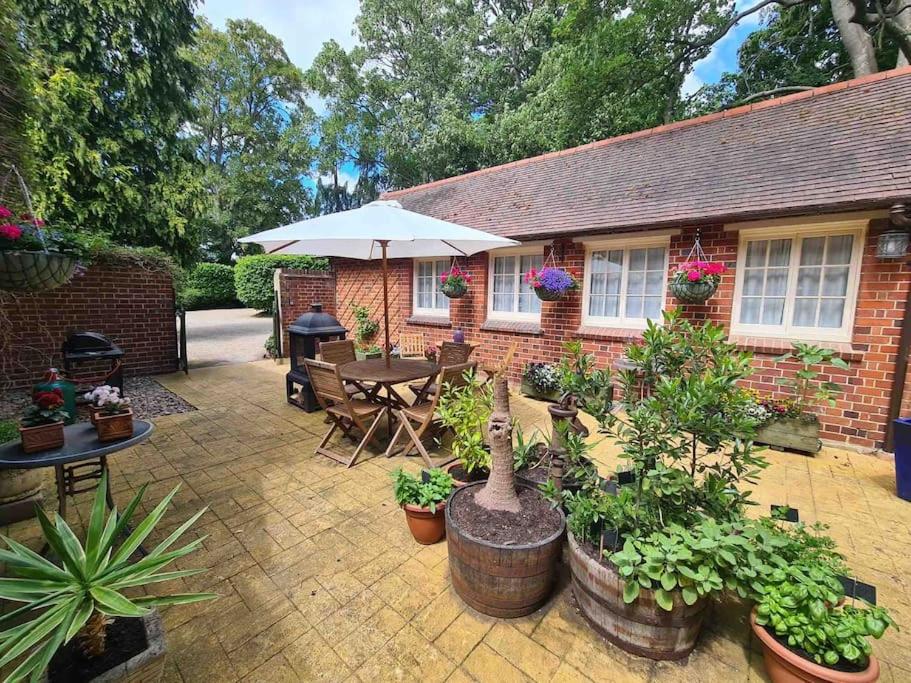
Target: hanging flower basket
{"type": "Point", "coordinates": [35, 270]}
{"type": "Point", "coordinates": [551, 283]}
{"type": "Point", "coordinates": [454, 282]}
{"type": "Point", "coordinates": [696, 281]}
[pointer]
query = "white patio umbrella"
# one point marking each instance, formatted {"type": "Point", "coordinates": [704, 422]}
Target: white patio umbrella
{"type": "Point", "coordinates": [378, 230]}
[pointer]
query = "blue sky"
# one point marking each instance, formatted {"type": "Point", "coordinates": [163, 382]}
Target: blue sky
{"type": "Point", "coordinates": [304, 25]}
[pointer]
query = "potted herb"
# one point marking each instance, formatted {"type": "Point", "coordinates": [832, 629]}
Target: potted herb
{"type": "Point", "coordinates": [73, 606]}
{"type": "Point", "coordinates": [465, 410]}
{"type": "Point", "coordinates": [423, 500]}
{"type": "Point", "coordinates": [365, 331]}
{"type": "Point", "coordinates": [493, 528]}
{"type": "Point", "coordinates": [791, 422]}
{"type": "Point", "coordinates": [550, 283]}
{"type": "Point", "coordinates": [111, 412]}
{"type": "Point", "coordinates": [41, 426]}
{"type": "Point", "coordinates": [541, 381]}
{"type": "Point", "coordinates": [694, 282]}
{"type": "Point", "coordinates": [454, 282]}
{"type": "Point", "coordinates": [32, 258]}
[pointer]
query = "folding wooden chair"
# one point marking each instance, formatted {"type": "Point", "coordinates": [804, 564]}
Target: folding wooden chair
{"type": "Point", "coordinates": [338, 353]}
{"type": "Point", "coordinates": [345, 412]}
{"type": "Point", "coordinates": [412, 345]}
{"type": "Point", "coordinates": [451, 353]}
{"type": "Point", "coordinates": [421, 419]}
{"type": "Point", "coordinates": [493, 369]}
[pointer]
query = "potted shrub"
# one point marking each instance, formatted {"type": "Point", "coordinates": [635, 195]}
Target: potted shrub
{"type": "Point", "coordinates": [423, 500]}
{"type": "Point", "coordinates": [550, 283]}
{"type": "Point", "coordinates": [34, 259]}
{"type": "Point", "coordinates": [541, 381]}
{"type": "Point", "coordinates": [74, 605]}
{"type": "Point", "coordinates": [465, 410]}
{"type": "Point", "coordinates": [365, 330]}
{"type": "Point", "coordinates": [504, 541]}
{"type": "Point", "coordinates": [694, 282]}
{"type": "Point", "coordinates": [790, 422]}
{"type": "Point", "coordinates": [41, 426]}
{"type": "Point", "coordinates": [454, 282]}
{"type": "Point", "coordinates": [112, 413]}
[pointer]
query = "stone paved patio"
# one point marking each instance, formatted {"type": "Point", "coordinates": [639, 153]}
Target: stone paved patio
{"type": "Point", "coordinates": [321, 581]}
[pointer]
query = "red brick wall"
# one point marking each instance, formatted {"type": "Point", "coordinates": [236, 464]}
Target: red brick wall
{"type": "Point", "coordinates": [300, 288]}
{"type": "Point", "coordinates": [131, 305]}
{"type": "Point", "coordinates": [858, 418]}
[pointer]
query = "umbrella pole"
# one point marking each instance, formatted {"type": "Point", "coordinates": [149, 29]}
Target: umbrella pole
{"type": "Point", "coordinates": [383, 244]}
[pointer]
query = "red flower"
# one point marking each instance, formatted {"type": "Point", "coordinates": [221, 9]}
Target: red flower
{"type": "Point", "coordinates": [10, 231]}
{"type": "Point", "coordinates": [5, 212]}
{"type": "Point", "coordinates": [49, 400]}
{"type": "Point", "coordinates": [693, 275]}
{"type": "Point", "coordinates": [34, 221]}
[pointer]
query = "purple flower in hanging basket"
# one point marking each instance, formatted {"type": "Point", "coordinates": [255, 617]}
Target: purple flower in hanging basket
{"type": "Point", "coordinates": [553, 279]}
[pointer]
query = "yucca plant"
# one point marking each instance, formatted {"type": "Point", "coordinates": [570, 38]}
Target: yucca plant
{"type": "Point", "coordinates": [79, 597]}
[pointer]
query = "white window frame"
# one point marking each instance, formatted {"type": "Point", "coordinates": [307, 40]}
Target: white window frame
{"type": "Point", "coordinates": [796, 233]}
{"type": "Point", "coordinates": [624, 243]}
{"type": "Point", "coordinates": [536, 250]}
{"type": "Point", "coordinates": [433, 312]}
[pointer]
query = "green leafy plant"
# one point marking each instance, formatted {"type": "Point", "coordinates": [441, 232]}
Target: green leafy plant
{"type": "Point", "coordinates": [8, 430]}
{"type": "Point", "coordinates": [253, 276]}
{"type": "Point", "coordinates": [271, 346]}
{"type": "Point", "coordinates": [591, 386]}
{"type": "Point", "coordinates": [411, 490]}
{"type": "Point", "coordinates": [465, 409]}
{"type": "Point", "coordinates": [526, 453]}
{"type": "Point", "coordinates": [78, 597]}
{"type": "Point", "coordinates": [806, 387]}
{"type": "Point", "coordinates": [46, 408]}
{"type": "Point", "coordinates": [209, 285]}
{"type": "Point", "coordinates": [365, 327]}
{"type": "Point", "coordinates": [543, 377]}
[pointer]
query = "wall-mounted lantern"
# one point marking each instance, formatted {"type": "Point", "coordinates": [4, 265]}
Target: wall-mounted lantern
{"type": "Point", "coordinates": [893, 243]}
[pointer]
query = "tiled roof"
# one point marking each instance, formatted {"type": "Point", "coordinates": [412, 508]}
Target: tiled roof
{"type": "Point", "coordinates": [842, 146]}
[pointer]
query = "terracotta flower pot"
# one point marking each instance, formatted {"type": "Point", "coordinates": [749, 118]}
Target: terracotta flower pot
{"type": "Point", "coordinates": [114, 427]}
{"type": "Point", "coordinates": [461, 480]}
{"type": "Point", "coordinates": [785, 666]}
{"type": "Point", "coordinates": [427, 527]}
{"type": "Point", "coordinates": [41, 437]}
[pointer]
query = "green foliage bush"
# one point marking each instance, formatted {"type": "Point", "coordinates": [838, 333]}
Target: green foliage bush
{"type": "Point", "coordinates": [209, 285]}
{"type": "Point", "coordinates": [253, 276]}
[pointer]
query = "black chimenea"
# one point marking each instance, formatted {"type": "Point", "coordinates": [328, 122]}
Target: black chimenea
{"type": "Point", "coordinates": [303, 334]}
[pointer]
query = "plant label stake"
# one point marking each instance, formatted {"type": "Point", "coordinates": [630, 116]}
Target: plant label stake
{"type": "Point", "coordinates": [609, 486]}
{"type": "Point", "coordinates": [626, 477]}
{"type": "Point", "coordinates": [425, 477]}
{"type": "Point", "coordinates": [785, 512]}
{"type": "Point", "coordinates": [857, 589]}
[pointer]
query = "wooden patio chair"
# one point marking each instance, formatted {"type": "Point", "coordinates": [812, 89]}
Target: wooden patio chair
{"type": "Point", "coordinates": [346, 413]}
{"type": "Point", "coordinates": [451, 353]}
{"type": "Point", "coordinates": [495, 368]}
{"type": "Point", "coordinates": [421, 420]}
{"type": "Point", "coordinates": [411, 345]}
{"type": "Point", "coordinates": [338, 353]}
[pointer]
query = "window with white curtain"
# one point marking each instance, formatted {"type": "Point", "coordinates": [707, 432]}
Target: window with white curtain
{"type": "Point", "coordinates": [511, 298]}
{"type": "Point", "coordinates": [428, 299]}
{"type": "Point", "coordinates": [625, 282]}
{"type": "Point", "coordinates": [800, 284]}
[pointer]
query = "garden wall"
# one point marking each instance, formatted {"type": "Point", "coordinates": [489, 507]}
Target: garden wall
{"type": "Point", "coordinates": [858, 418]}
{"type": "Point", "coordinates": [298, 289]}
{"type": "Point", "coordinates": [130, 304]}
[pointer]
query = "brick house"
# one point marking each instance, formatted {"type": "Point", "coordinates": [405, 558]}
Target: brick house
{"type": "Point", "coordinates": [792, 194]}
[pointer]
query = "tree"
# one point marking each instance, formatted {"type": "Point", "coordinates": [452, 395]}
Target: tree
{"type": "Point", "coordinates": [499, 493]}
{"type": "Point", "coordinates": [251, 128]}
{"type": "Point", "coordinates": [12, 90]}
{"type": "Point", "coordinates": [110, 87]}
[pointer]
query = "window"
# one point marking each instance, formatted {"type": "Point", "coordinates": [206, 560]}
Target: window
{"type": "Point", "coordinates": [428, 299]}
{"type": "Point", "coordinates": [798, 284]}
{"type": "Point", "coordinates": [625, 285]}
{"type": "Point", "coordinates": [511, 298]}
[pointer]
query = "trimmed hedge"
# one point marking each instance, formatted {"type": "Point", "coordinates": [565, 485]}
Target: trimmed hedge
{"type": "Point", "coordinates": [209, 285]}
{"type": "Point", "coordinates": [253, 276]}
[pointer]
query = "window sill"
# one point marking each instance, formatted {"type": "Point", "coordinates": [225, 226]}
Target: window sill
{"type": "Point", "coordinates": [624, 334]}
{"type": "Point", "coordinates": [776, 346]}
{"type": "Point", "coordinates": [429, 321]}
{"type": "Point", "coordinates": [516, 326]}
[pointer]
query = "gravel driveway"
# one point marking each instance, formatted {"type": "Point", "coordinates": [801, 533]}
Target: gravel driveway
{"type": "Point", "coordinates": [226, 335]}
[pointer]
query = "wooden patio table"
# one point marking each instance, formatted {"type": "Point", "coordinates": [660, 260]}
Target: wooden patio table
{"type": "Point", "coordinates": [400, 370]}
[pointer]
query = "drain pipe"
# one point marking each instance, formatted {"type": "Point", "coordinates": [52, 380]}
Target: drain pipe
{"type": "Point", "coordinates": [899, 215]}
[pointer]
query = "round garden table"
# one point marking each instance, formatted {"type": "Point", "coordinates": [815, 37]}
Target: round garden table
{"type": "Point", "coordinates": [81, 450]}
{"type": "Point", "coordinates": [400, 370]}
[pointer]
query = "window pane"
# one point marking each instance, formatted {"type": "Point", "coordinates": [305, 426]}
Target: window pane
{"type": "Point", "coordinates": [839, 249]}
{"type": "Point", "coordinates": [424, 299]}
{"type": "Point", "coordinates": [772, 311]}
{"type": "Point", "coordinates": [752, 282]}
{"type": "Point", "coordinates": [812, 250]}
{"type": "Point", "coordinates": [504, 264]}
{"type": "Point", "coordinates": [528, 300]}
{"type": "Point", "coordinates": [635, 283]}
{"type": "Point", "coordinates": [654, 282]}
{"type": "Point", "coordinates": [831, 312]}
{"type": "Point", "coordinates": [655, 258]}
{"type": "Point", "coordinates": [652, 307]}
{"type": "Point", "coordinates": [808, 281]}
{"type": "Point", "coordinates": [749, 310]}
{"type": "Point", "coordinates": [637, 259]}
{"type": "Point", "coordinates": [835, 281]}
{"type": "Point", "coordinates": [776, 283]}
{"type": "Point", "coordinates": [756, 253]}
{"type": "Point", "coordinates": [779, 253]}
{"type": "Point", "coordinates": [634, 307]}
{"type": "Point", "coordinates": [805, 312]}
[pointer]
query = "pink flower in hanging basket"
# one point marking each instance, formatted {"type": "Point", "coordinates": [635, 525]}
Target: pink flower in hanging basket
{"type": "Point", "coordinates": [5, 212]}
{"type": "Point", "coordinates": [699, 271]}
{"type": "Point", "coordinates": [10, 231]}
{"type": "Point", "coordinates": [694, 276]}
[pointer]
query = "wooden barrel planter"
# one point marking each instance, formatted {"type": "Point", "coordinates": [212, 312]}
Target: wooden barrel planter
{"type": "Point", "coordinates": [642, 627]}
{"type": "Point", "coordinates": [501, 580]}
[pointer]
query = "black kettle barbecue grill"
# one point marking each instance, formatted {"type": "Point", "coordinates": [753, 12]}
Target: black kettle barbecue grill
{"type": "Point", "coordinates": [90, 347]}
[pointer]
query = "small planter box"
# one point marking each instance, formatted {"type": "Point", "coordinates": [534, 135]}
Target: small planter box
{"type": "Point", "coordinates": [791, 433]}
{"type": "Point", "coordinates": [363, 355]}
{"type": "Point", "coordinates": [114, 427]}
{"type": "Point", "coordinates": [42, 437]}
{"type": "Point", "coordinates": [528, 389]}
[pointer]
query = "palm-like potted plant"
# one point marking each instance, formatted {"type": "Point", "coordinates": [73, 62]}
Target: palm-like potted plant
{"type": "Point", "coordinates": [423, 500]}
{"type": "Point", "coordinates": [75, 603]}
{"type": "Point", "coordinates": [41, 426]}
{"type": "Point", "coordinates": [111, 413]}
{"type": "Point", "coordinates": [454, 282]}
{"type": "Point", "coordinates": [465, 410]}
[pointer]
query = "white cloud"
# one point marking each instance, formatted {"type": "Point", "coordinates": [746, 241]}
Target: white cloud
{"type": "Point", "coordinates": [344, 176]}
{"type": "Point", "coordinates": [691, 84]}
